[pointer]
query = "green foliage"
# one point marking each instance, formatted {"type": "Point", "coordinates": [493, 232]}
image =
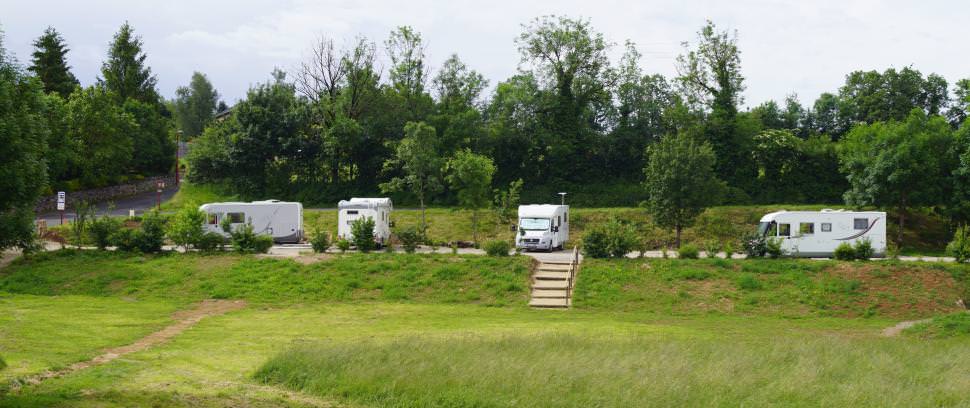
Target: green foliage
{"type": "Point", "coordinates": [151, 233]}
{"type": "Point", "coordinates": [210, 241]}
{"type": "Point", "coordinates": [959, 247]}
{"type": "Point", "coordinates": [3, 364]}
{"type": "Point", "coordinates": [712, 247]}
{"type": "Point", "coordinates": [844, 252]}
{"type": "Point", "coordinates": [863, 249]}
{"type": "Point", "coordinates": [244, 240]}
{"type": "Point", "coordinates": [470, 175]}
{"type": "Point", "coordinates": [418, 157]}
{"type": "Point", "coordinates": [680, 181]}
{"type": "Point", "coordinates": [410, 238]}
{"type": "Point", "coordinates": [83, 213]}
{"type": "Point", "coordinates": [951, 325]}
{"type": "Point", "coordinates": [728, 249]}
{"type": "Point", "coordinates": [195, 105]}
{"type": "Point", "coordinates": [23, 145]}
{"type": "Point", "coordinates": [343, 245]}
{"type": "Point", "coordinates": [687, 252]}
{"type": "Point", "coordinates": [506, 203]}
{"type": "Point", "coordinates": [613, 239]}
{"type": "Point", "coordinates": [320, 241]}
{"type": "Point", "coordinates": [124, 73]}
{"type": "Point", "coordinates": [755, 245]}
{"type": "Point", "coordinates": [49, 63]}
{"type": "Point", "coordinates": [101, 127]}
{"type": "Point", "coordinates": [102, 230]}
{"type": "Point", "coordinates": [773, 248]}
{"type": "Point", "coordinates": [363, 232]}
{"type": "Point", "coordinates": [497, 247]}
{"type": "Point", "coordinates": [186, 227]}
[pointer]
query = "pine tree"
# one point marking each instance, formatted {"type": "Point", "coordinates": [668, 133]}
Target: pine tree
{"type": "Point", "coordinates": [50, 63]}
{"type": "Point", "coordinates": [195, 105]}
{"type": "Point", "coordinates": [125, 73]}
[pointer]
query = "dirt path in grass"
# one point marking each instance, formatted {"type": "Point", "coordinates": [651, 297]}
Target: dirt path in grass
{"type": "Point", "coordinates": [183, 320]}
{"type": "Point", "coordinates": [899, 327]}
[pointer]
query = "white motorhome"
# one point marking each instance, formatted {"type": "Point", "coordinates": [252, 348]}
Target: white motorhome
{"type": "Point", "coordinates": [378, 209]}
{"type": "Point", "coordinates": [816, 234]}
{"type": "Point", "coordinates": [542, 226]}
{"type": "Point", "coordinates": [279, 219]}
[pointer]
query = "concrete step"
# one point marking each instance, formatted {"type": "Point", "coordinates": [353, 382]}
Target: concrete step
{"type": "Point", "coordinates": [549, 293]}
{"type": "Point", "coordinates": [551, 275]}
{"type": "Point", "coordinates": [550, 284]}
{"type": "Point", "coordinates": [556, 262]}
{"type": "Point", "coordinates": [547, 267]}
{"type": "Point", "coordinates": [562, 303]}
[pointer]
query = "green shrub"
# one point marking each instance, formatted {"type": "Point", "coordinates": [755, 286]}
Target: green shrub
{"type": "Point", "coordinates": [728, 250]}
{"type": "Point", "coordinates": [319, 241]}
{"type": "Point", "coordinates": [3, 364]}
{"type": "Point", "coordinates": [363, 232]}
{"type": "Point", "coordinates": [244, 239]}
{"type": "Point", "coordinates": [951, 325]}
{"type": "Point", "coordinates": [959, 248]}
{"type": "Point", "coordinates": [755, 245]}
{"type": "Point", "coordinates": [410, 237]}
{"type": "Point", "coordinates": [614, 239]}
{"type": "Point", "coordinates": [151, 233]}
{"type": "Point", "coordinates": [343, 245]}
{"type": "Point", "coordinates": [210, 241]}
{"type": "Point", "coordinates": [687, 251]}
{"type": "Point", "coordinates": [262, 244]}
{"type": "Point", "coordinates": [126, 239]}
{"type": "Point", "coordinates": [773, 248]}
{"type": "Point", "coordinates": [102, 229]}
{"type": "Point", "coordinates": [844, 252]}
{"type": "Point", "coordinates": [185, 228]}
{"type": "Point", "coordinates": [497, 247]}
{"type": "Point", "coordinates": [863, 249]}
{"type": "Point", "coordinates": [712, 247]}
{"type": "Point", "coordinates": [748, 281]}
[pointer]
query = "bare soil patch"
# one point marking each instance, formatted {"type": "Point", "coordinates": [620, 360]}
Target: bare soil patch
{"type": "Point", "coordinates": [184, 319]}
{"type": "Point", "coordinates": [903, 291]}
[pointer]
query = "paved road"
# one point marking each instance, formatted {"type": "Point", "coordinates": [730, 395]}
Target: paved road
{"type": "Point", "coordinates": [140, 203]}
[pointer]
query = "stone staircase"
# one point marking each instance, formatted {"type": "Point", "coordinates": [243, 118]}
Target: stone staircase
{"type": "Point", "coordinates": [552, 283]}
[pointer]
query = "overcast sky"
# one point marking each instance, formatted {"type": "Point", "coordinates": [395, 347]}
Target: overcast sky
{"type": "Point", "coordinates": [805, 47]}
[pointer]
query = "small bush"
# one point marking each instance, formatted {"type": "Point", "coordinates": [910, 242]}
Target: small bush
{"type": "Point", "coordinates": [151, 233]}
{"type": "Point", "coordinates": [863, 249]}
{"type": "Point", "coordinates": [748, 281]}
{"type": "Point", "coordinates": [959, 248]}
{"type": "Point", "coordinates": [343, 245]}
{"type": "Point", "coordinates": [773, 248]}
{"type": "Point", "coordinates": [210, 241]}
{"type": "Point", "coordinates": [844, 252]}
{"type": "Point", "coordinates": [243, 239]}
{"type": "Point", "coordinates": [262, 244]}
{"type": "Point", "coordinates": [410, 238]}
{"type": "Point", "coordinates": [712, 247]}
{"type": "Point", "coordinates": [497, 247]}
{"type": "Point", "coordinates": [728, 250]}
{"type": "Point", "coordinates": [755, 245]}
{"type": "Point", "coordinates": [3, 364]}
{"type": "Point", "coordinates": [614, 239]}
{"type": "Point", "coordinates": [185, 228]}
{"type": "Point", "coordinates": [688, 251]}
{"type": "Point", "coordinates": [363, 232]}
{"type": "Point", "coordinates": [319, 241]}
{"type": "Point", "coordinates": [126, 239]}
{"type": "Point", "coordinates": [102, 229]}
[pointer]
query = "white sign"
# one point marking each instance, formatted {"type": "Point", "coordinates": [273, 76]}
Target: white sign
{"type": "Point", "coordinates": [60, 200]}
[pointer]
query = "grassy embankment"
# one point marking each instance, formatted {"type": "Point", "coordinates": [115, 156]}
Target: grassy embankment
{"type": "Point", "coordinates": [410, 330]}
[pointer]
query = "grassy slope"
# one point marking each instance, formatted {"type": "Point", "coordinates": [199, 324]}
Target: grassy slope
{"type": "Point", "coordinates": [773, 287]}
{"type": "Point", "coordinates": [399, 277]}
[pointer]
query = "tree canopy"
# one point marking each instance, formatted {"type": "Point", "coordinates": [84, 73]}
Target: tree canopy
{"type": "Point", "coordinates": [49, 63]}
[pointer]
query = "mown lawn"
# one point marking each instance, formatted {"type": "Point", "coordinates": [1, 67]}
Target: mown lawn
{"type": "Point", "coordinates": [411, 330]}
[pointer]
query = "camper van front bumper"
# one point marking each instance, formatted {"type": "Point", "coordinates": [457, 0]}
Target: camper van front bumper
{"type": "Point", "coordinates": [533, 243]}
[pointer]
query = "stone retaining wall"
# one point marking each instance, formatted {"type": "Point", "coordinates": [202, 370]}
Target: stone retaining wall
{"type": "Point", "coordinates": [99, 195]}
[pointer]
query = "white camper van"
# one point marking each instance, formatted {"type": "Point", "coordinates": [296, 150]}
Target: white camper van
{"type": "Point", "coordinates": [542, 226]}
{"type": "Point", "coordinates": [378, 209]}
{"type": "Point", "coordinates": [816, 234]}
{"type": "Point", "coordinates": [281, 220]}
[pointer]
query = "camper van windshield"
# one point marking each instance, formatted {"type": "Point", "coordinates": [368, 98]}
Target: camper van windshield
{"type": "Point", "coordinates": [534, 224]}
{"type": "Point", "coordinates": [763, 228]}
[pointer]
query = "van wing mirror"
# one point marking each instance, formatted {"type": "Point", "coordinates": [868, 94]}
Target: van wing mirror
{"type": "Point", "coordinates": [555, 229]}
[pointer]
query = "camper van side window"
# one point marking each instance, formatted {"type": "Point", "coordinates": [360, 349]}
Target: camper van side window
{"type": "Point", "coordinates": [559, 221]}
{"type": "Point", "coordinates": [784, 230]}
{"type": "Point", "coordinates": [826, 227]}
{"type": "Point", "coordinates": [236, 218]}
{"type": "Point", "coordinates": [213, 219]}
{"type": "Point", "coordinates": [351, 212]}
{"type": "Point", "coordinates": [806, 228]}
{"type": "Point", "coordinates": [861, 223]}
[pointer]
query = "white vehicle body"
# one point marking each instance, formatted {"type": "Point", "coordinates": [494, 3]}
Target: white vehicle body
{"type": "Point", "coordinates": [542, 226]}
{"type": "Point", "coordinates": [816, 234]}
{"type": "Point", "coordinates": [378, 209]}
{"type": "Point", "coordinates": [279, 219]}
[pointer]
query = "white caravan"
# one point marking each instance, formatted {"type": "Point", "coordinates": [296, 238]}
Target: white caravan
{"type": "Point", "coordinates": [377, 209]}
{"type": "Point", "coordinates": [542, 226]}
{"type": "Point", "coordinates": [816, 234]}
{"type": "Point", "coordinates": [279, 219]}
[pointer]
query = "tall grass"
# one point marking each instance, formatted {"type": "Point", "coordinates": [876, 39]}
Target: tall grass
{"type": "Point", "coordinates": [563, 370]}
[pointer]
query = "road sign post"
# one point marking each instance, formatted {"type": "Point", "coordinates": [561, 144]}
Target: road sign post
{"type": "Point", "coordinates": [160, 185]}
{"type": "Point", "coordinates": [61, 199]}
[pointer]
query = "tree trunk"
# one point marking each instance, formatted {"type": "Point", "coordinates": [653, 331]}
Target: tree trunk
{"type": "Point", "coordinates": [677, 240]}
{"type": "Point", "coordinates": [424, 226]}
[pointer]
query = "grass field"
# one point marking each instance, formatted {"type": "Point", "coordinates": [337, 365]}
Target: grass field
{"type": "Point", "coordinates": [395, 330]}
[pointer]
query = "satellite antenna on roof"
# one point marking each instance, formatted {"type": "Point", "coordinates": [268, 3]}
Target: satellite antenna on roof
{"type": "Point", "coordinates": [563, 196]}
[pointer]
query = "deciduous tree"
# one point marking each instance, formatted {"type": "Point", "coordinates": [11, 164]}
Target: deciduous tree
{"type": "Point", "coordinates": [419, 162]}
{"type": "Point", "coordinates": [470, 175]}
